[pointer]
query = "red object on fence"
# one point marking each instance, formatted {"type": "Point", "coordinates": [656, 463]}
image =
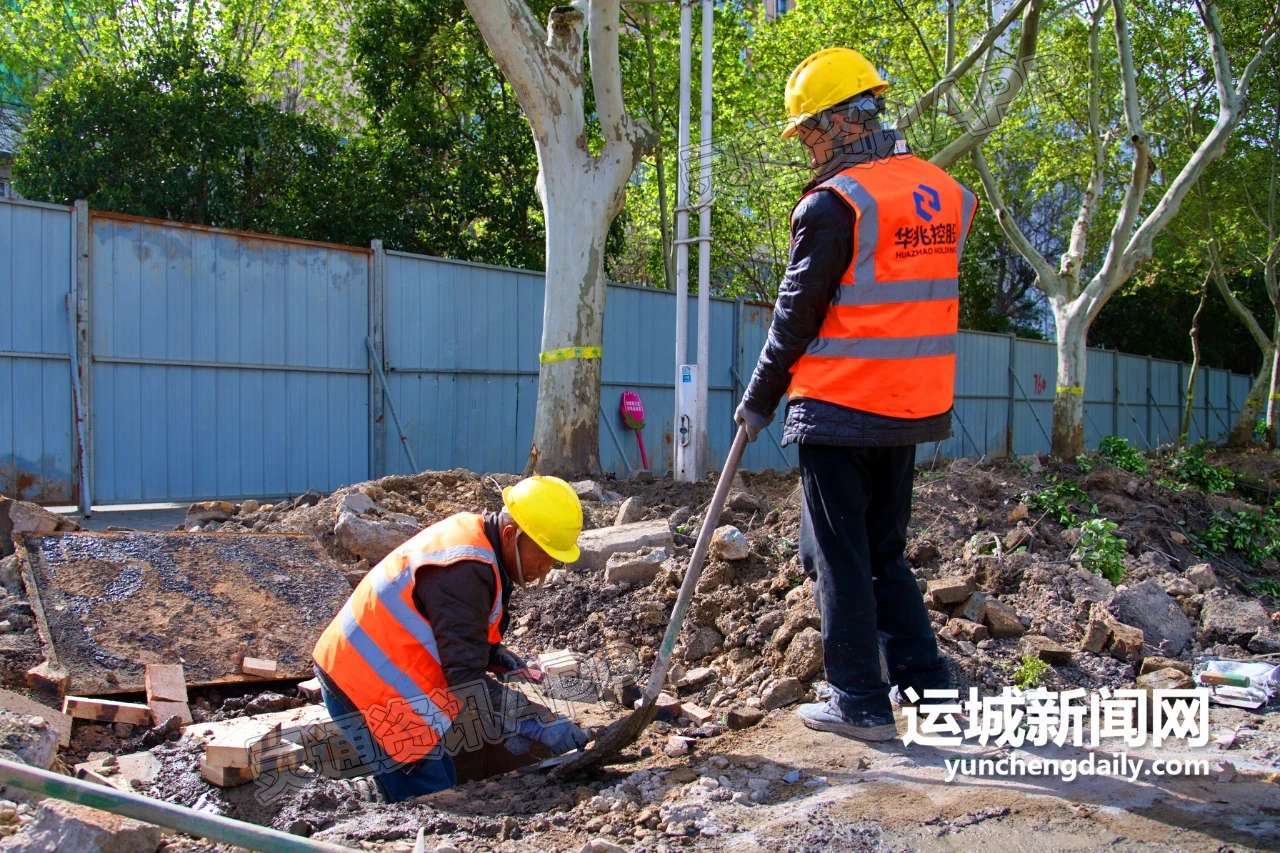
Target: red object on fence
{"type": "Point", "coordinates": [632, 411]}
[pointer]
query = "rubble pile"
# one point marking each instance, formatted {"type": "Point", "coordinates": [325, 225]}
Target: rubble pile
{"type": "Point", "coordinates": [1003, 577]}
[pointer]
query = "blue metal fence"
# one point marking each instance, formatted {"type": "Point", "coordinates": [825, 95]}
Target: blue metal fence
{"type": "Point", "coordinates": [224, 364]}
{"type": "Point", "coordinates": [37, 457]}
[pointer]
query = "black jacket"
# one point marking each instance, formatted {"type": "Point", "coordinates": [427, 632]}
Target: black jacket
{"type": "Point", "coordinates": [821, 249]}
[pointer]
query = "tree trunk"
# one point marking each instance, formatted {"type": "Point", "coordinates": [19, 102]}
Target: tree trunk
{"type": "Point", "coordinates": [1189, 404]}
{"type": "Point", "coordinates": [566, 429]}
{"type": "Point", "coordinates": [1241, 434]}
{"type": "Point", "coordinates": [1068, 399]}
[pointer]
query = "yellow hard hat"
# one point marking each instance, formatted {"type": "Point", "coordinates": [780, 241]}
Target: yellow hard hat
{"type": "Point", "coordinates": [825, 79]}
{"type": "Point", "coordinates": [548, 510]}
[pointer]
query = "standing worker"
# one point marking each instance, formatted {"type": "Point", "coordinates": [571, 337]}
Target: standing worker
{"type": "Point", "coordinates": [863, 341]}
{"type": "Point", "coordinates": [402, 666]}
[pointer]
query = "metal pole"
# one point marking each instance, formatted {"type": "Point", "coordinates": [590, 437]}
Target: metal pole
{"type": "Point", "coordinates": [386, 389]}
{"type": "Point", "coordinates": [617, 444]}
{"type": "Point", "coordinates": [82, 348]}
{"type": "Point", "coordinates": [377, 299]}
{"type": "Point", "coordinates": [201, 824]}
{"type": "Point", "coordinates": [702, 462]}
{"type": "Point", "coordinates": [682, 226]}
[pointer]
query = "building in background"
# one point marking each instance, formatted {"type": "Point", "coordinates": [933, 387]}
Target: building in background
{"type": "Point", "coordinates": [774, 8]}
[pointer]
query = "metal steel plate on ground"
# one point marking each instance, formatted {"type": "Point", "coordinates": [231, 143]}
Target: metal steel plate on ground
{"type": "Point", "coordinates": [107, 604]}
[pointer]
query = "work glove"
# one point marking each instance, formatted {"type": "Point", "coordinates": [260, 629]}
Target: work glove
{"type": "Point", "coordinates": [559, 736]}
{"type": "Point", "coordinates": [503, 661]}
{"type": "Point", "coordinates": [751, 420]}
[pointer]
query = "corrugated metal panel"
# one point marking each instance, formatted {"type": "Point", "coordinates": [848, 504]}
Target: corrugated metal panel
{"type": "Point", "coordinates": [766, 451]}
{"type": "Point", "coordinates": [981, 415]}
{"type": "Point", "coordinates": [36, 449]}
{"type": "Point", "coordinates": [1217, 412]}
{"type": "Point", "coordinates": [224, 365]}
{"type": "Point", "coordinates": [1034, 365]}
{"type": "Point", "coordinates": [1166, 398]}
{"type": "Point", "coordinates": [1131, 394]}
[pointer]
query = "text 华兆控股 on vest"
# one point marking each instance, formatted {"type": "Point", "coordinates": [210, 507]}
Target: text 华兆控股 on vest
{"type": "Point", "coordinates": [381, 651]}
{"type": "Point", "coordinates": [888, 342]}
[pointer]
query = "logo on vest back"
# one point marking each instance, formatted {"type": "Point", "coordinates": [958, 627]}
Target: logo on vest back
{"type": "Point", "coordinates": [927, 199]}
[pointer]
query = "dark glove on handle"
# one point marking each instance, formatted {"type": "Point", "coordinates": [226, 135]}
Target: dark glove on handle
{"type": "Point", "coordinates": [752, 421]}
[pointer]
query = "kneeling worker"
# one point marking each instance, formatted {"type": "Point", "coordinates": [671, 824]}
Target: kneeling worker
{"type": "Point", "coordinates": [402, 666]}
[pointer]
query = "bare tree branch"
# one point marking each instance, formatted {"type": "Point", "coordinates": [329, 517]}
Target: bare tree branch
{"type": "Point", "coordinates": [1073, 257]}
{"type": "Point", "coordinates": [606, 71]}
{"type": "Point", "coordinates": [1211, 147]}
{"type": "Point", "coordinates": [979, 125]}
{"type": "Point", "coordinates": [524, 51]}
{"type": "Point", "coordinates": [1049, 280]}
{"type": "Point", "coordinates": [929, 98]}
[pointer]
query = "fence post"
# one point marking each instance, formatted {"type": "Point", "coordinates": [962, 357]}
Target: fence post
{"type": "Point", "coordinates": [377, 404]}
{"type": "Point", "coordinates": [1013, 366]}
{"type": "Point", "coordinates": [80, 308]}
{"type": "Point", "coordinates": [1115, 392]}
{"type": "Point", "coordinates": [1147, 405]}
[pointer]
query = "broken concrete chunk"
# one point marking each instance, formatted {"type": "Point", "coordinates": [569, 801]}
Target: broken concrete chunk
{"type": "Point", "coordinates": [310, 689]}
{"type": "Point", "coordinates": [696, 713]}
{"type": "Point", "coordinates": [1002, 619]}
{"type": "Point", "coordinates": [588, 490]}
{"type": "Point", "coordinates": [1126, 641]}
{"type": "Point", "coordinates": [804, 655]}
{"type": "Point", "coordinates": [106, 711]}
{"type": "Point", "coordinates": [741, 501]}
{"type": "Point", "coordinates": [784, 691]}
{"type": "Point", "coordinates": [29, 519]}
{"type": "Point", "coordinates": [206, 511]}
{"type": "Point", "coordinates": [16, 703]}
{"type": "Point", "coordinates": [373, 539]}
{"type": "Point", "coordinates": [357, 502]}
{"type": "Point", "coordinates": [49, 677]}
{"type": "Point", "coordinates": [696, 677]}
{"type": "Point", "coordinates": [1202, 575]}
{"type": "Point", "coordinates": [1048, 650]}
{"type": "Point", "coordinates": [29, 738]}
{"type": "Point", "coordinates": [729, 543]}
{"type": "Point", "coordinates": [635, 566]}
{"type": "Point", "coordinates": [1168, 678]}
{"type": "Point", "coordinates": [560, 663]}
{"type": "Point", "coordinates": [963, 629]}
{"type": "Point", "coordinates": [974, 608]}
{"type": "Point", "coordinates": [1265, 642]}
{"type": "Point", "coordinates": [631, 511]}
{"type": "Point", "coordinates": [1147, 606]}
{"type": "Point", "coordinates": [744, 717]}
{"type": "Point", "coordinates": [1156, 662]}
{"type": "Point", "coordinates": [1096, 636]}
{"type": "Point", "coordinates": [1227, 618]}
{"type": "Point", "coordinates": [678, 746]}
{"type": "Point", "coordinates": [598, 545]}
{"type": "Point", "coordinates": [946, 591]}
{"type": "Point", "coordinates": [700, 642]}
{"type": "Point", "coordinates": [59, 825]}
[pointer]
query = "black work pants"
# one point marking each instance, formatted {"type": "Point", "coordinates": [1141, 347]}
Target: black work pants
{"type": "Point", "coordinates": [853, 532]}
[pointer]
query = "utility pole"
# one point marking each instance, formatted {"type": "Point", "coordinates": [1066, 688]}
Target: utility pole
{"type": "Point", "coordinates": [691, 381]}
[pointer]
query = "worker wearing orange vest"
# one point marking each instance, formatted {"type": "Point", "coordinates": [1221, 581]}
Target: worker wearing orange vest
{"type": "Point", "coordinates": [863, 342]}
{"type": "Point", "coordinates": [407, 654]}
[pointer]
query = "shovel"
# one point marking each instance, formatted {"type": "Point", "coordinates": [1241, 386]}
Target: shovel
{"type": "Point", "coordinates": [623, 733]}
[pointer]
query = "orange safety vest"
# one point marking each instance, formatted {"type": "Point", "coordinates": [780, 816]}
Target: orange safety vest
{"type": "Point", "coordinates": [888, 342]}
{"type": "Point", "coordinates": [380, 649]}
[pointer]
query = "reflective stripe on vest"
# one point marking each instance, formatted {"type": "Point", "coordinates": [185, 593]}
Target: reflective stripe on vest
{"type": "Point", "coordinates": [888, 342]}
{"type": "Point", "coordinates": [383, 653]}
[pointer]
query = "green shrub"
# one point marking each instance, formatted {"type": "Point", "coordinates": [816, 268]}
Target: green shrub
{"type": "Point", "coordinates": [1254, 535]}
{"type": "Point", "coordinates": [1060, 500]}
{"type": "Point", "coordinates": [1267, 589]}
{"type": "Point", "coordinates": [1030, 673]}
{"type": "Point", "coordinates": [1190, 468]}
{"type": "Point", "coordinates": [1118, 452]}
{"type": "Point", "coordinates": [1100, 550]}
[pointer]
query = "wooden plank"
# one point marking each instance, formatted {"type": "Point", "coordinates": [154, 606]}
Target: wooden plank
{"type": "Point", "coordinates": [106, 710]}
{"type": "Point", "coordinates": [261, 667]}
{"type": "Point", "coordinates": [162, 710]}
{"type": "Point", "coordinates": [166, 682]}
{"type": "Point", "coordinates": [19, 704]}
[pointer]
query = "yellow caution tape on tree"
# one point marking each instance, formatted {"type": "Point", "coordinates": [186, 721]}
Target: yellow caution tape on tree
{"type": "Point", "coordinates": [551, 356]}
{"type": "Point", "coordinates": [1074, 390]}
{"type": "Point", "coordinates": [1276, 396]}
